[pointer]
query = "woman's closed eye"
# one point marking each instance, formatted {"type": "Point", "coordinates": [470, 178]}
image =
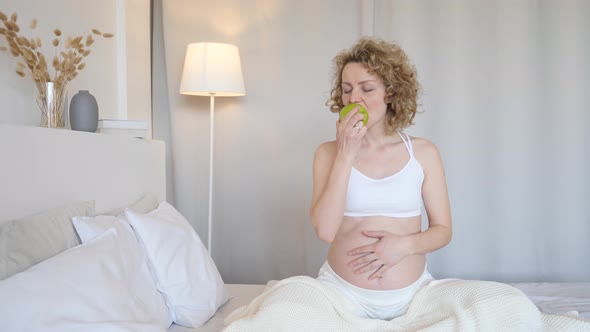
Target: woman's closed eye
{"type": "Point", "coordinates": [348, 91]}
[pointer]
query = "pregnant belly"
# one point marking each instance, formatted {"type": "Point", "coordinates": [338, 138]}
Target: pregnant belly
{"type": "Point", "coordinates": [350, 236]}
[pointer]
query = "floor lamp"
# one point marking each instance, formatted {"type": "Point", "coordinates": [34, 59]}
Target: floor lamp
{"type": "Point", "coordinates": [214, 70]}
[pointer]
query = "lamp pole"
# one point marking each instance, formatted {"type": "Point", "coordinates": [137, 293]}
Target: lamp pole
{"type": "Point", "coordinates": [211, 130]}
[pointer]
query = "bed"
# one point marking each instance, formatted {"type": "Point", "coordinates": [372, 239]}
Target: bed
{"type": "Point", "coordinates": [45, 168]}
{"type": "Point", "coordinates": [549, 297]}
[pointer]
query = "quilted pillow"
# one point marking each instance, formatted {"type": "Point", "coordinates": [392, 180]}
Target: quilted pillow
{"type": "Point", "coordinates": [144, 204]}
{"type": "Point", "coordinates": [27, 241]}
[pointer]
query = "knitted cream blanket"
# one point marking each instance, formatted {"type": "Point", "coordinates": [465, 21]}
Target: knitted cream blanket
{"type": "Point", "coordinates": [303, 304]}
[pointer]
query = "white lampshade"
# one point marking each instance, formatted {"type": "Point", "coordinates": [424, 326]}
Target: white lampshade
{"type": "Point", "coordinates": [212, 68]}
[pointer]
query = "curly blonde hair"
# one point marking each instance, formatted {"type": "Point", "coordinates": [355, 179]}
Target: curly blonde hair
{"type": "Point", "coordinates": [392, 64]}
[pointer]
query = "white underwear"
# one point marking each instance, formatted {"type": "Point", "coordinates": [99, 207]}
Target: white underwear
{"type": "Point", "coordinates": [369, 303]}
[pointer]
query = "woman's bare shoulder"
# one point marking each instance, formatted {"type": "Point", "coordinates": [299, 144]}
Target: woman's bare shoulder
{"type": "Point", "coordinates": [326, 149]}
{"type": "Point", "coordinates": [422, 144]}
{"type": "Point", "coordinates": [425, 151]}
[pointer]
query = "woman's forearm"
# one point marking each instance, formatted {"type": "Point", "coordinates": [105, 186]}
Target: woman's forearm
{"type": "Point", "coordinates": [432, 239]}
{"type": "Point", "coordinates": [328, 210]}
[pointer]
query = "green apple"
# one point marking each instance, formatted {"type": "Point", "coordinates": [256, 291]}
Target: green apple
{"type": "Point", "coordinates": [349, 107]}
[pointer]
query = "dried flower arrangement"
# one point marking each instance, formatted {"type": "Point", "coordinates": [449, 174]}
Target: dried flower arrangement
{"type": "Point", "coordinates": [66, 63]}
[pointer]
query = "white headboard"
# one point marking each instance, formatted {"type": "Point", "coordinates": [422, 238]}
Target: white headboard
{"type": "Point", "coordinates": [42, 168]}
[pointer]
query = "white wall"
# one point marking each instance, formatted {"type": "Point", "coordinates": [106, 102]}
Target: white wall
{"type": "Point", "coordinates": [505, 97]}
{"type": "Point", "coordinates": [137, 62]}
{"type": "Point", "coordinates": [264, 141]}
{"type": "Point", "coordinates": [118, 69]}
{"type": "Point", "coordinates": [504, 100]}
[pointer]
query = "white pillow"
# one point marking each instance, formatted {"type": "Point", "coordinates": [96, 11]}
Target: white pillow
{"type": "Point", "coordinates": [88, 287]}
{"type": "Point", "coordinates": [185, 272]}
{"type": "Point", "coordinates": [144, 283]}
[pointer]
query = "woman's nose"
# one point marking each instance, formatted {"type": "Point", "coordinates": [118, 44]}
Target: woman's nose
{"type": "Point", "coordinates": [355, 96]}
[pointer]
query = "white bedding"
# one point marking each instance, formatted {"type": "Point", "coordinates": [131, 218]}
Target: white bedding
{"type": "Point", "coordinates": [302, 304]}
{"type": "Point", "coordinates": [549, 297]}
{"type": "Point", "coordinates": [85, 288]}
{"type": "Point", "coordinates": [559, 297]}
{"type": "Point", "coordinates": [240, 295]}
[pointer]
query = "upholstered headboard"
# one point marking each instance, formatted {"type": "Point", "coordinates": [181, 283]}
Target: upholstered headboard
{"type": "Point", "coordinates": [42, 168]}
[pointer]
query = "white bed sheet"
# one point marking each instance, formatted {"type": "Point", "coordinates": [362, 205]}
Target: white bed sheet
{"type": "Point", "coordinates": [239, 295]}
{"type": "Point", "coordinates": [549, 297]}
{"type": "Point", "coordinates": [559, 297]}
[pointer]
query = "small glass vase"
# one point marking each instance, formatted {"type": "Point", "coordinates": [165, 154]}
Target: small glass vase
{"type": "Point", "coordinates": [50, 98]}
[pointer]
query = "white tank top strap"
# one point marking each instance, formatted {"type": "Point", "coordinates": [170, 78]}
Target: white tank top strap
{"type": "Point", "coordinates": [408, 142]}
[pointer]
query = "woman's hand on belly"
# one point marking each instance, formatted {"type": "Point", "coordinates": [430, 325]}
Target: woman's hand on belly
{"type": "Point", "coordinates": [378, 257]}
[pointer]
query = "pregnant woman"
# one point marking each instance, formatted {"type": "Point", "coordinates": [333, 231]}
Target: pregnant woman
{"type": "Point", "coordinates": [372, 183]}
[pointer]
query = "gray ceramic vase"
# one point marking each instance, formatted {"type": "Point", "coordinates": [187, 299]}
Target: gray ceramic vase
{"type": "Point", "coordinates": [84, 112]}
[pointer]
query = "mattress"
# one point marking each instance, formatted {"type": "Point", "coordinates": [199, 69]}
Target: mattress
{"type": "Point", "coordinates": [549, 297]}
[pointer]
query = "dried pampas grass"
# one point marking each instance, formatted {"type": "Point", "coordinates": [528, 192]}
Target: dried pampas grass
{"type": "Point", "coordinates": [66, 64]}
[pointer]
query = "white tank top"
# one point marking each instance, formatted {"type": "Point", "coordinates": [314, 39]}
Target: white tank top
{"type": "Point", "coordinates": [398, 195]}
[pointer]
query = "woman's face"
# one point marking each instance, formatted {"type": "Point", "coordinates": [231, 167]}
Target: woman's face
{"type": "Point", "coordinates": [361, 87]}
